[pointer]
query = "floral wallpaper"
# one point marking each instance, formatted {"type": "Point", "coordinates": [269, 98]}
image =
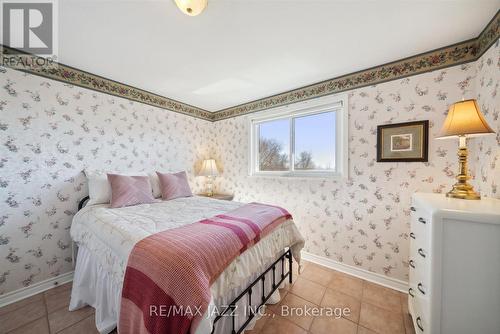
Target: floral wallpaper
{"type": "Point", "coordinates": [485, 151]}
{"type": "Point", "coordinates": [49, 133]}
{"type": "Point", "coordinates": [363, 221]}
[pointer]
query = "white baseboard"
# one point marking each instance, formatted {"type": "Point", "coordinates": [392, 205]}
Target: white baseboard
{"type": "Point", "coordinates": [389, 282]}
{"type": "Point", "coordinates": [53, 282]}
{"type": "Point", "coordinates": [14, 296]}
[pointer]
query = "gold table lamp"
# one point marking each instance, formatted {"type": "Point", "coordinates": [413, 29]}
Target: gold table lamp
{"type": "Point", "coordinates": [464, 120]}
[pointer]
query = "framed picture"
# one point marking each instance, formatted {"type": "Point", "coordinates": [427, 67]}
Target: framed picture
{"type": "Point", "coordinates": [403, 142]}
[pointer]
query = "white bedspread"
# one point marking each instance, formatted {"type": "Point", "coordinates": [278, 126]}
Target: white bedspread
{"type": "Point", "coordinates": [110, 235]}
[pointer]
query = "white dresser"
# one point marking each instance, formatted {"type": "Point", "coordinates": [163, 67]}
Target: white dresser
{"type": "Point", "coordinates": [454, 283]}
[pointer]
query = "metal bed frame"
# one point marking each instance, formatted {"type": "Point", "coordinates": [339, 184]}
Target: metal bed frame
{"type": "Point", "coordinates": [264, 297]}
{"type": "Point", "coordinates": [229, 311]}
{"type": "Point", "coordinates": [82, 202]}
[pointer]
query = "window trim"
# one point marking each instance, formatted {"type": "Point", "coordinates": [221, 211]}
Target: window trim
{"type": "Point", "coordinates": [337, 103]}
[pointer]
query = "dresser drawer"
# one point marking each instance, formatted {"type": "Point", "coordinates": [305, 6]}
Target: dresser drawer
{"type": "Point", "coordinates": [419, 226]}
{"type": "Point", "coordinates": [420, 257]}
{"type": "Point", "coordinates": [419, 261]}
{"type": "Point", "coordinates": [419, 318]}
{"type": "Point", "coordinates": [421, 296]}
{"type": "Point", "coordinates": [420, 274]}
{"type": "Point", "coordinates": [419, 240]}
{"type": "Point", "coordinates": [420, 290]}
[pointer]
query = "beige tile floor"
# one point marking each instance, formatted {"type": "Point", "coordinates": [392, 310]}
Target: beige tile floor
{"type": "Point", "coordinates": [373, 309]}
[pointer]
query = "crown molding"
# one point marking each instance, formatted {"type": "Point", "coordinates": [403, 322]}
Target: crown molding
{"type": "Point", "coordinates": [452, 55]}
{"type": "Point", "coordinates": [448, 56]}
{"type": "Point", "coordinates": [77, 77]}
{"type": "Point", "coordinates": [489, 35]}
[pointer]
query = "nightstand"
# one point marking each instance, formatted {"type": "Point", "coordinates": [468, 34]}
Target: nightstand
{"type": "Point", "coordinates": [225, 197]}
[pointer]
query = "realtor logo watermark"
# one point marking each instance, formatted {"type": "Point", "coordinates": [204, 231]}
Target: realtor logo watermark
{"type": "Point", "coordinates": [29, 26]}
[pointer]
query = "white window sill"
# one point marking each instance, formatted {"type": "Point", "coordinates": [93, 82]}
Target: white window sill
{"type": "Point", "coordinates": [295, 176]}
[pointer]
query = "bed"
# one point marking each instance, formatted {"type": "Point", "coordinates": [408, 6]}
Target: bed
{"type": "Point", "coordinates": [105, 237]}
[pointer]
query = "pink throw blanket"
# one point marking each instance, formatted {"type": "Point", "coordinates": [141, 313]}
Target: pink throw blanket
{"type": "Point", "coordinates": [167, 282]}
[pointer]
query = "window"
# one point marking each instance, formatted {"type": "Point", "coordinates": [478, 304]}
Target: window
{"type": "Point", "coordinates": [274, 146]}
{"type": "Point", "coordinates": [304, 139]}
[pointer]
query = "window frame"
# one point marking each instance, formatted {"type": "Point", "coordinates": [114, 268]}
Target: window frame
{"type": "Point", "coordinates": [337, 103]}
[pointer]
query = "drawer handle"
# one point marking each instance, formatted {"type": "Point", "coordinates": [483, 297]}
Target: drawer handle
{"type": "Point", "coordinates": [412, 264]}
{"type": "Point", "coordinates": [422, 220]}
{"type": "Point", "coordinates": [419, 324]}
{"type": "Point", "coordinates": [421, 288]}
{"type": "Point", "coordinates": [421, 252]}
{"type": "Point", "coordinates": [412, 235]}
{"type": "Point", "coordinates": [410, 292]}
{"type": "Point", "coordinates": [412, 208]}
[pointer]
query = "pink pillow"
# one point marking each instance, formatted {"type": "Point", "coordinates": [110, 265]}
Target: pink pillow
{"type": "Point", "coordinates": [130, 190]}
{"type": "Point", "coordinates": [174, 185]}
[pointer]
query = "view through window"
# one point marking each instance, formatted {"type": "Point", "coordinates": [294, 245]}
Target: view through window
{"type": "Point", "coordinates": [306, 138]}
{"type": "Point", "coordinates": [305, 142]}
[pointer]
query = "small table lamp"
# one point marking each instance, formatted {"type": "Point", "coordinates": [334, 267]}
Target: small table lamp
{"type": "Point", "coordinates": [209, 169]}
{"type": "Point", "coordinates": [464, 120]}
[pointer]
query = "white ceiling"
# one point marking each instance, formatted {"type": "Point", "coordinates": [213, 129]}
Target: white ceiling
{"type": "Point", "coordinates": [238, 51]}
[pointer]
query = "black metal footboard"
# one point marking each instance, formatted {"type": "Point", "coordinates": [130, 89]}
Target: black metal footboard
{"type": "Point", "coordinates": [229, 311]}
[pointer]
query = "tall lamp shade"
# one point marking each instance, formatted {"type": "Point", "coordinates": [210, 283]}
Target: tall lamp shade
{"type": "Point", "coordinates": [209, 169]}
{"type": "Point", "coordinates": [464, 120]}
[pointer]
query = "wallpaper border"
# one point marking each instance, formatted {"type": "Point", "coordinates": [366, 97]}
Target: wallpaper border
{"type": "Point", "coordinates": [73, 76]}
{"type": "Point", "coordinates": [452, 55]}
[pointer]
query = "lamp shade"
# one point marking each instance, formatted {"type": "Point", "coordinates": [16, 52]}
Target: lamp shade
{"type": "Point", "coordinates": [209, 168]}
{"type": "Point", "coordinates": [464, 118]}
{"type": "Point", "coordinates": [191, 7]}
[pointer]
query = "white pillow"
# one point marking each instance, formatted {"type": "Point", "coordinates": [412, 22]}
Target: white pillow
{"type": "Point", "coordinates": [99, 187]}
{"type": "Point", "coordinates": [155, 184]}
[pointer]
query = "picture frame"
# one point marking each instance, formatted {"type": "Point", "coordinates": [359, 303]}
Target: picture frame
{"type": "Point", "coordinates": [403, 142]}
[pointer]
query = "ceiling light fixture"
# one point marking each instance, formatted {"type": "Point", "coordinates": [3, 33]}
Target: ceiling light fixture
{"type": "Point", "coordinates": [191, 7]}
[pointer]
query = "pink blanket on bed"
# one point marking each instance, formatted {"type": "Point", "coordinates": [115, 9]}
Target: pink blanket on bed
{"type": "Point", "coordinates": [168, 277]}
